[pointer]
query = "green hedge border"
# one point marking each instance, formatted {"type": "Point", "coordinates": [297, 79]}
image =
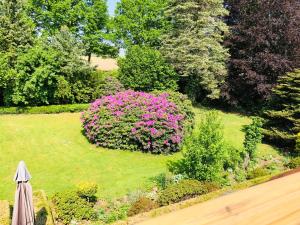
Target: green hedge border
{"type": "Point", "coordinates": [51, 109]}
{"type": "Point", "coordinates": [193, 201]}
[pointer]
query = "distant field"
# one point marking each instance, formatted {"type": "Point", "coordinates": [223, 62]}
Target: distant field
{"type": "Point", "coordinates": [58, 155]}
{"type": "Point", "coordinates": [105, 64]}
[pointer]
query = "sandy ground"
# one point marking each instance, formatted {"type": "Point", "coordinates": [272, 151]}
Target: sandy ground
{"type": "Point", "coordinates": [276, 202]}
{"type": "Point", "coordinates": [105, 64]}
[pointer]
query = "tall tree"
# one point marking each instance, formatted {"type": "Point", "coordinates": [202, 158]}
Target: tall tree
{"type": "Point", "coordinates": [87, 19]}
{"type": "Point", "coordinates": [264, 44]}
{"type": "Point", "coordinates": [140, 22]}
{"type": "Point", "coordinates": [193, 45]}
{"type": "Point", "coordinates": [16, 36]}
{"type": "Point", "coordinates": [283, 120]}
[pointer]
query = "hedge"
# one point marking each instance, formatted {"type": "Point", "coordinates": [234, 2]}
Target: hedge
{"type": "Point", "coordinates": [50, 109]}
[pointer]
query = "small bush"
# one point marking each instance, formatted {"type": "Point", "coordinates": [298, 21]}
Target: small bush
{"type": "Point", "coordinates": [257, 172]}
{"type": "Point", "coordinates": [141, 205]}
{"type": "Point", "coordinates": [135, 121]}
{"type": "Point", "coordinates": [294, 163]}
{"type": "Point", "coordinates": [253, 136]}
{"type": "Point", "coordinates": [113, 212]}
{"type": "Point", "coordinates": [69, 206]}
{"type": "Point", "coordinates": [50, 109]}
{"type": "Point", "coordinates": [164, 180]}
{"type": "Point", "coordinates": [185, 189]}
{"type": "Point", "coordinates": [105, 86]}
{"type": "Point", "coordinates": [205, 152]}
{"type": "Point", "coordinates": [87, 190]}
{"type": "Point", "coordinates": [144, 69]}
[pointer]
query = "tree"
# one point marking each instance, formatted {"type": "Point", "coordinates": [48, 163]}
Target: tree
{"type": "Point", "coordinates": [283, 119]}
{"type": "Point", "coordinates": [193, 45]}
{"type": "Point", "coordinates": [140, 22]}
{"type": "Point", "coordinates": [144, 69]}
{"type": "Point", "coordinates": [51, 72]}
{"type": "Point", "coordinates": [264, 44]}
{"type": "Point", "coordinates": [87, 19]}
{"type": "Point", "coordinates": [16, 35]}
{"type": "Point", "coordinates": [204, 155]}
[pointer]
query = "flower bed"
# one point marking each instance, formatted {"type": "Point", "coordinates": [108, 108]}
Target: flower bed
{"type": "Point", "coordinates": [135, 121]}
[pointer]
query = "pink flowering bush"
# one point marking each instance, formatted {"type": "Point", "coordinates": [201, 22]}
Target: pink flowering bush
{"type": "Point", "coordinates": [135, 121]}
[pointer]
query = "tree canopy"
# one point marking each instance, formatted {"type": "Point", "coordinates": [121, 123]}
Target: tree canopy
{"type": "Point", "coordinates": [140, 22]}
{"type": "Point", "coordinates": [264, 44]}
{"type": "Point", "coordinates": [193, 45]}
{"type": "Point", "coordinates": [87, 19]}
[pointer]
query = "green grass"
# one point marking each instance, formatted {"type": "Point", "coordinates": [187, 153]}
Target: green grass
{"type": "Point", "coordinates": [59, 156]}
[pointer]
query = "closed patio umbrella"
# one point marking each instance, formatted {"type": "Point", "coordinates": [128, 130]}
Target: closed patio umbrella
{"type": "Point", "coordinates": [23, 213]}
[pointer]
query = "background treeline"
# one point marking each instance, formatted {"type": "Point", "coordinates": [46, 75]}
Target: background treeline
{"type": "Point", "coordinates": [238, 53]}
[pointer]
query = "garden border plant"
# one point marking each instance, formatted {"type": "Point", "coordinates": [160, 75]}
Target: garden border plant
{"type": "Point", "coordinates": [137, 121]}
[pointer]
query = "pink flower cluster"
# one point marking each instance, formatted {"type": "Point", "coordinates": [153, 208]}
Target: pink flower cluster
{"type": "Point", "coordinates": [136, 121]}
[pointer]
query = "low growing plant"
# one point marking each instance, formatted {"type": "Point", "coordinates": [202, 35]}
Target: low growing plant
{"type": "Point", "coordinates": [183, 190]}
{"type": "Point", "coordinates": [142, 205]}
{"type": "Point", "coordinates": [87, 190]}
{"type": "Point", "coordinates": [257, 172]}
{"type": "Point", "coordinates": [69, 206]}
{"type": "Point", "coordinates": [294, 163]}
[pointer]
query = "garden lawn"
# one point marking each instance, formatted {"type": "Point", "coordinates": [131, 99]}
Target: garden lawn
{"type": "Point", "coordinates": [59, 156]}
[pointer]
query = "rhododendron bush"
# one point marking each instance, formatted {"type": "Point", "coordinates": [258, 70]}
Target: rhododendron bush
{"type": "Point", "coordinates": [136, 121]}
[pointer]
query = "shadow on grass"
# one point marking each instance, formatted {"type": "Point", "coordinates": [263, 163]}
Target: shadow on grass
{"type": "Point", "coordinates": [41, 217]}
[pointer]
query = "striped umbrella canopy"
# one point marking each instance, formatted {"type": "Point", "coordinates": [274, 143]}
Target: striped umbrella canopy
{"type": "Point", "coordinates": [23, 212]}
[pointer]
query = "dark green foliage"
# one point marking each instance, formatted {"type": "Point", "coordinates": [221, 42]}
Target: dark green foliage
{"type": "Point", "coordinates": [283, 119]}
{"type": "Point", "coordinates": [264, 44]}
{"type": "Point", "coordinates": [140, 22]}
{"type": "Point", "coordinates": [51, 109]}
{"type": "Point", "coordinates": [253, 136]}
{"type": "Point", "coordinates": [205, 152]}
{"type": "Point", "coordinates": [193, 45]}
{"type": "Point", "coordinates": [86, 20]}
{"type": "Point", "coordinates": [69, 206]}
{"type": "Point", "coordinates": [108, 85]}
{"type": "Point", "coordinates": [298, 143]}
{"type": "Point", "coordinates": [51, 72]}
{"type": "Point", "coordinates": [16, 36]}
{"type": "Point", "coordinates": [144, 69]}
{"type": "Point", "coordinates": [142, 205]}
{"type": "Point", "coordinates": [183, 190]}
{"type": "Point", "coordinates": [294, 163]}
{"type": "Point", "coordinates": [257, 172]}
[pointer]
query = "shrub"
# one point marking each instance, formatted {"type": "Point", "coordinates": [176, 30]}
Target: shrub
{"type": "Point", "coordinates": [253, 136]}
{"type": "Point", "coordinates": [184, 104]}
{"type": "Point", "coordinates": [87, 190]}
{"type": "Point", "coordinates": [257, 172]}
{"type": "Point", "coordinates": [294, 163]}
{"type": "Point", "coordinates": [185, 189]}
{"type": "Point", "coordinates": [144, 69]}
{"type": "Point", "coordinates": [135, 121]}
{"type": "Point", "coordinates": [69, 206]}
{"type": "Point", "coordinates": [164, 180]}
{"type": "Point", "coordinates": [141, 205]}
{"type": "Point", "coordinates": [106, 85]}
{"type": "Point", "coordinates": [113, 212]}
{"type": "Point", "coordinates": [205, 152]}
{"type": "Point", "coordinates": [50, 109]}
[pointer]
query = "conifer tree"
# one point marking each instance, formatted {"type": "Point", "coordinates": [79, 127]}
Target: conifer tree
{"type": "Point", "coordinates": [193, 45]}
{"type": "Point", "coordinates": [283, 120]}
